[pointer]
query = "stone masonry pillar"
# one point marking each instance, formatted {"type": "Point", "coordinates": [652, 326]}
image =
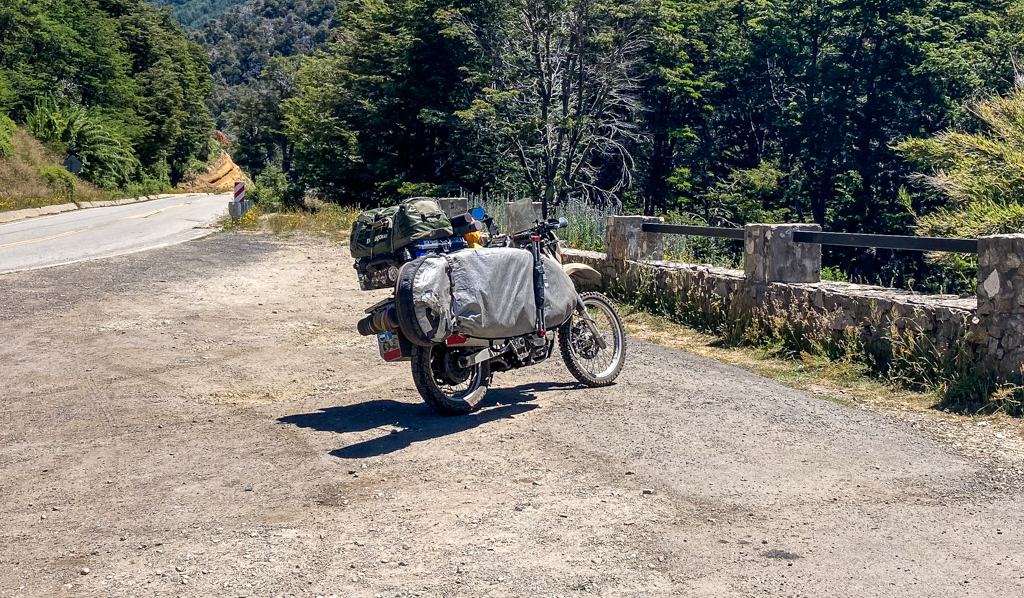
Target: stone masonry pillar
{"type": "Point", "coordinates": [771, 255]}
{"type": "Point", "coordinates": [1001, 303]}
{"type": "Point", "coordinates": [627, 241]}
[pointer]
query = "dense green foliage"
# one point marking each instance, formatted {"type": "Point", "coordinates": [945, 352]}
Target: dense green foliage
{"type": "Point", "coordinates": [977, 178]}
{"type": "Point", "coordinates": [6, 129]}
{"type": "Point", "coordinates": [375, 115]}
{"type": "Point", "coordinates": [114, 80]}
{"type": "Point", "coordinates": [972, 182]}
{"type": "Point", "coordinates": [106, 155]}
{"type": "Point", "coordinates": [254, 50]}
{"type": "Point", "coordinates": [192, 14]}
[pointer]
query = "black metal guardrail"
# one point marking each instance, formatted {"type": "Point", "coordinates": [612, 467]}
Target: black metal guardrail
{"type": "Point", "coordinates": [695, 231]}
{"type": "Point", "coordinates": [836, 239]}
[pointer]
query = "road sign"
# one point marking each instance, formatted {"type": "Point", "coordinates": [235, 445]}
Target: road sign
{"type": "Point", "coordinates": [73, 165]}
{"type": "Point", "coordinates": [239, 191]}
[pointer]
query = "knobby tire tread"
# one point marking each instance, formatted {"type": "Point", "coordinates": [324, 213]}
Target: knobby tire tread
{"type": "Point", "coordinates": [569, 359]}
{"type": "Point", "coordinates": [423, 377]}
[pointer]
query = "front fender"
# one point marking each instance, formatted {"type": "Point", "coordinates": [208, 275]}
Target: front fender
{"type": "Point", "coordinates": [582, 273]}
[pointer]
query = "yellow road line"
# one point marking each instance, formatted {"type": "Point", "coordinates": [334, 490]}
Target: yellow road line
{"type": "Point", "coordinates": [148, 214]}
{"type": "Point", "coordinates": [58, 235]}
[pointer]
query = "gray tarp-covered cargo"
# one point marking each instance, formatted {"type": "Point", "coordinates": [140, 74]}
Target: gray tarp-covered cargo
{"type": "Point", "coordinates": [483, 293]}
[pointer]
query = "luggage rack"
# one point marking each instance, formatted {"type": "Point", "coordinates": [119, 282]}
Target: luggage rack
{"type": "Point", "coordinates": [381, 272]}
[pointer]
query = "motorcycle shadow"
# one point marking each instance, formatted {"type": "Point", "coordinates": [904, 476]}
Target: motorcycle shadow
{"type": "Point", "coordinates": [416, 422]}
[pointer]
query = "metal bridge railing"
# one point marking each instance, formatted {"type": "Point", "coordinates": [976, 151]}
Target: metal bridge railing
{"type": "Point", "coordinates": [938, 244]}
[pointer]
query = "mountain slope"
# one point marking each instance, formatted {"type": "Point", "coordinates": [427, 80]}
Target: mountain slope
{"type": "Point", "coordinates": [254, 50]}
{"type": "Point", "coordinates": [192, 14]}
{"type": "Point", "coordinates": [32, 176]}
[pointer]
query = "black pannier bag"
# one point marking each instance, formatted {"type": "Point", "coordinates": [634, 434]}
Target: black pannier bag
{"type": "Point", "coordinates": [483, 293]}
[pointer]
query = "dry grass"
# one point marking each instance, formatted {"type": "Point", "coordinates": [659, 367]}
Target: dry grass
{"type": "Point", "coordinates": [840, 382]}
{"type": "Point", "coordinates": [23, 186]}
{"type": "Point", "coordinates": [334, 222]}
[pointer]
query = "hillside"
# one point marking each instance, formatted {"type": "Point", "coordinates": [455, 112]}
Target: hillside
{"type": "Point", "coordinates": [193, 13]}
{"type": "Point", "coordinates": [254, 49]}
{"type": "Point", "coordinates": [116, 83]}
{"type": "Point", "coordinates": [32, 176]}
{"type": "Point", "coordinates": [220, 176]}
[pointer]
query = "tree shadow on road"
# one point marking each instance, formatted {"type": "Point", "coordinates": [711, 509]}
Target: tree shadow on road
{"type": "Point", "coordinates": [417, 421]}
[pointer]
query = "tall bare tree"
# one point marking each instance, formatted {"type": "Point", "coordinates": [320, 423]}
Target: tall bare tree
{"type": "Point", "coordinates": [562, 94]}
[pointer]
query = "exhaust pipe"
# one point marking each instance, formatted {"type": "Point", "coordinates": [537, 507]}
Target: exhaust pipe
{"type": "Point", "coordinates": [382, 320]}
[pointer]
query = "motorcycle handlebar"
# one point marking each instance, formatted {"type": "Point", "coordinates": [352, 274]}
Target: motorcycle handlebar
{"type": "Point", "coordinates": [543, 227]}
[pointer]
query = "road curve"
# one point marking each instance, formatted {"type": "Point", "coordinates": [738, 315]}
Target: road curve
{"type": "Point", "coordinates": [105, 232]}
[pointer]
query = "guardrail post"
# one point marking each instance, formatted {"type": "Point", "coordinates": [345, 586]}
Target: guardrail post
{"type": "Point", "coordinates": [771, 255]}
{"type": "Point", "coordinates": [627, 241]}
{"type": "Point", "coordinates": [1001, 302]}
{"type": "Point", "coordinates": [239, 205]}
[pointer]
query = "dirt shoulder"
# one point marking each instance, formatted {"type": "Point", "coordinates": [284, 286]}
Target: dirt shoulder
{"type": "Point", "coordinates": [203, 420]}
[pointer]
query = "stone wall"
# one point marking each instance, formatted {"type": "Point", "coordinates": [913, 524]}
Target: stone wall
{"type": "Point", "coordinates": [1000, 321]}
{"type": "Point", "coordinates": [781, 280]}
{"type": "Point", "coordinates": [723, 293]}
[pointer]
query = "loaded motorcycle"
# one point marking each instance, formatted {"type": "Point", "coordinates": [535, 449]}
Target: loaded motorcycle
{"type": "Point", "coordinates": [495, 302]}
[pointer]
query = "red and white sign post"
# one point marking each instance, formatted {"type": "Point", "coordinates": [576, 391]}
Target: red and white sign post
{"type": "Point", "coordinates": [239, 206]}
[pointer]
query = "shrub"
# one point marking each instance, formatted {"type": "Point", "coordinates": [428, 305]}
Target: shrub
{"type": "Point", "coordinates": [59, 180]}
{"type": "Point", "coordinates": [834, 274]}
{"type": "Point", "coordinates": [107, 156]}
{"type": "Point", "coordinates": [587, 223]}
{"type": "Point", "coordinates": [269, 188]}
{"type": "Point", "coordinates": [6, 130]}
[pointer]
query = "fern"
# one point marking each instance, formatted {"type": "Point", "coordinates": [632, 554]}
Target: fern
{"type": "Point", "coordinates": [107, 156]}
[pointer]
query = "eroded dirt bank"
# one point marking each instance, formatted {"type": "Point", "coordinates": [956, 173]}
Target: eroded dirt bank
{"type": "Point", "coordinates": [202, 420]}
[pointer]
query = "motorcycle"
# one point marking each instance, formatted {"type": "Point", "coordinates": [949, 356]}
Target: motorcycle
{"type": "Point", "coordinates": [453, 376]}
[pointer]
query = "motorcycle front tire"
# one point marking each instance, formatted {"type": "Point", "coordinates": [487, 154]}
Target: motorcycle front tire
{"type": "Point", "coordinates": [571, 336]}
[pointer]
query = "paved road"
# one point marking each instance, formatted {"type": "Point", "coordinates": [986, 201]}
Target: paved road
{"type": "Point", "coordinates": [105, 232]}
{"type": "Point", "coordinates": [202, 420]}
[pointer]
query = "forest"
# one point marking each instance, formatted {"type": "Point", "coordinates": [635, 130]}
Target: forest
{"type": "Point", "coordinates": [896, 117]}
{"type": "Point", "coordinates": [114, 82]}
{"type": "Point", "coordinates": [193, 13]}
{"type": "Point", "coordinates": [856, 115]}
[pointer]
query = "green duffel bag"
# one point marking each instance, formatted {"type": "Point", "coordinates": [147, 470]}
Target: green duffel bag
{"type": "Point", "coordinates": [419, 219]}
{"type": "Point", "coordinates": [371, 232]}
{"type": "Point", "coordinates": [360, 243]}
{"type": "Point", "coordinates": [384, 230]}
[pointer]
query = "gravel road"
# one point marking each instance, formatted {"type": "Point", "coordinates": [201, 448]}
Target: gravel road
{"type": "Point", "coordinates": [202, 420]}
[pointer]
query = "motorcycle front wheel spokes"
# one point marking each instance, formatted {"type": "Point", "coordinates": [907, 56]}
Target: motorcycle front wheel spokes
{"type": "Point", "coordinates": [594, 360]}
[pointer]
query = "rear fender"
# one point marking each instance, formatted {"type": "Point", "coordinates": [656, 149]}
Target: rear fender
{"type": "Point", "coordinates": [582, 273]}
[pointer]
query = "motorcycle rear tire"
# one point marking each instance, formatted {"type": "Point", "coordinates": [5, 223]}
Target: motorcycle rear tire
{"type": "Point", "coordinates": [425, 373]}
